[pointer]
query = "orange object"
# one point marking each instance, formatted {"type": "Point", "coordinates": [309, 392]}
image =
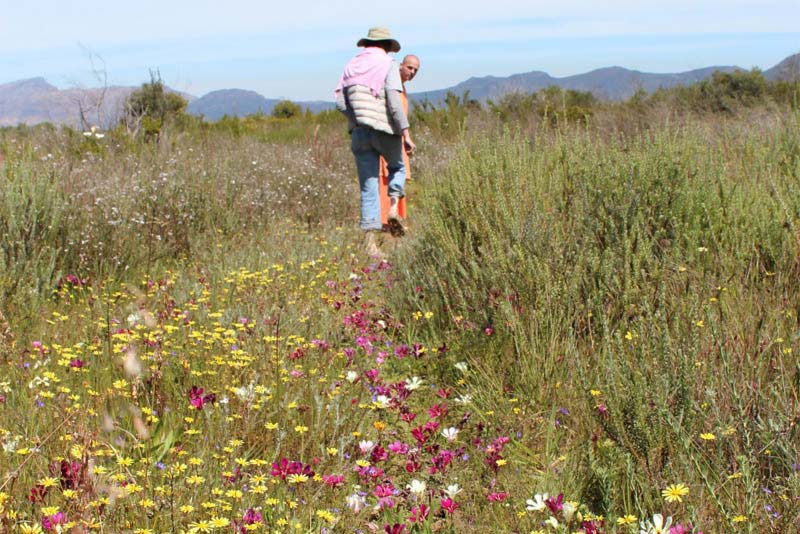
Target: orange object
{"type": "Point", "coordinates": [383, 180]}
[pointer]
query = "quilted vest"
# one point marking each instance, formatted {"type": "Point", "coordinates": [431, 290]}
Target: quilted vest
{"type": "Point", "coordinates": [370, 110]}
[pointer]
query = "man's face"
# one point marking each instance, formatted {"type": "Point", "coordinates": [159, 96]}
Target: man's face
{"type": "Point", "coordinates": [408, 69]}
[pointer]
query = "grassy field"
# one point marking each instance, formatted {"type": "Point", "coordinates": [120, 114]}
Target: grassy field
{"type": "Point", "coordinates": [591, 327]}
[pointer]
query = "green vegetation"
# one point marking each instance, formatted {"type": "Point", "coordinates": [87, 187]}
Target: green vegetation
{"type": "Point", "coordinates": [594, 299]}
{"type": "Point", "coordinates": [286, 109]}
{"type": "Point", "coordinates": [149, 108]}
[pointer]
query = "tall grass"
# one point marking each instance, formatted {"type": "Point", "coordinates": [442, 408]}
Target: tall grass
{"type": "Point", "coordinates": [646, 283]}
{"type": "Point", "coordinates": [72, 204]}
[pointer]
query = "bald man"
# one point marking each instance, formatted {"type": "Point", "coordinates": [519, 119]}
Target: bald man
{"type": "Point", "coordinates": [393, 210]}
{"type": "Point", "coordinates": [409, 68]}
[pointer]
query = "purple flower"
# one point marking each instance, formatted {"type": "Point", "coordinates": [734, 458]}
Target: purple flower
{"type": "Point", "coordinates": [51, 522]}
{"type": "Point", "coordinates": [251, 516]}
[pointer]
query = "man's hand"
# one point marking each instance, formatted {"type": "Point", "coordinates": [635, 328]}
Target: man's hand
{"type": "Point", "coordinates": [408, 144]}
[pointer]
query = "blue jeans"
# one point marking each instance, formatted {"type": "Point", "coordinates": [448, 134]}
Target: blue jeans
{"type": "Point", "coordinates": [368, 145]}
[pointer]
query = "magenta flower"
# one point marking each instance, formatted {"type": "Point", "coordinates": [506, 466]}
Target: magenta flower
{"type": "Point", "coordinates": [72, 473]}
{"type": "Point", "coordinates": [197, 399]}
{"type": "Point", "coordinates": [51, 522]}
{"type": "Point", "coordinates": [251, 517]}
{"type": "Point", "coordinates": [398, 447]}
{"type": "Point", "coordinates": [555, 505]}
{"type": "Point", "coordinates": [284, 468]}
{"type": "Point", "coordinates": [498, 496]}
{"type": "Point", "coordinates": [385, 493]}
{"type": "Point", "coordinates": [379, 454]}
{"type": "Point", "coordinates": [413, 466]}
{"type": "Point", "coordinates": [442, 460]}
{"type": "Point", "coordinates": [592, 527]}
{"type": "Point", "coordinates": [437, 410]}
{"type": "Point", "coordinates": [681, 529]}
{"type": "Point", "coordinates": [420, 434]}
{"type": "Point", "coordinates": [333, 480]}
{"type": "Point", "coordinates": [407, 417]}
{"type": "Point", "coordinates": [38, 493]}
{"type": "Point", "coordinates": [449, 505]}
{"type": "Point", "coordinates": [419, 514]}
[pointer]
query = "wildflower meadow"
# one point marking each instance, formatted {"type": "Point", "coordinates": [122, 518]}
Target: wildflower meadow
{"type": "Point", "coordinates": [591, 326]}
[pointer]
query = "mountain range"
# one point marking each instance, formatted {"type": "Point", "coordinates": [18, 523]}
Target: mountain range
{"type": "Point", "coordinates": [34, 100]}
{"type": "Point", "coordinates": [610, 83]}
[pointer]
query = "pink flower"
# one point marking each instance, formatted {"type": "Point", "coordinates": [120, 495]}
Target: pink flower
{"type": "Point", "coordinates": [592, 527]}
{"type": "Point", "coordinates": [398, 447]}
{"type": "Point", "coordinates": [251, 517]}
{"type": "Point", "coordinates": [498, 496]}
{"type": "Point", "coordinates": [444, 392]}
{"type": "Point", "coordinates": [333, 480]}
{"type": "Point", "coordinates": [449, 505]}
{"type": "Point", "coordinates": [384, 490]}
{"type": "Point", "coordinates": [412, 466]}
{"type": "Point", "coordinates": [379, 454]}
{"type": "Point", "coordinates": [72, 473]}
{"type": "Point", "coordinates": [407, 417]}
{"type": "Point", "coordinates": [285, 468]}
{"type": "Point", "coordinates": [680, 529]}
{"type": "Point", "coordinates": [51, 522]}
{"type": "Point", "coordinates": [197, 399]}
{"type": "Point", "coordinates": [555, 505]}
{"type": "Point", "coordinates": [384, 493]}
{"type": "Point", "coordinates": [38, 493]}
{"type": "Point", "coordinates": [419, 514]}
{"type": "Point", "coordinates": [437, 410]}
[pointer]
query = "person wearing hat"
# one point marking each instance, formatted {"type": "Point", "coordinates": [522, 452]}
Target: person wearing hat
{"type": "Point", "coordinates": [368, 93]}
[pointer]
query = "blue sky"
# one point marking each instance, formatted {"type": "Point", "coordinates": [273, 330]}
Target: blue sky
{"type": "Point", "coordinates": [296, 49]}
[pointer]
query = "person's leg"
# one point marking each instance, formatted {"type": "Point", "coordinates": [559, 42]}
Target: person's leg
{"type": "Point", "coordinates": [391, 148]}
{"type": "Point", "coordinates": [368, 168]}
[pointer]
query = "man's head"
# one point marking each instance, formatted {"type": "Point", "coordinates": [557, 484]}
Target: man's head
{"type": "Point", "coordinates": [409, 68]}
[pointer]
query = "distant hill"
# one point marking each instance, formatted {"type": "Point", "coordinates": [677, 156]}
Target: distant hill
{"type": "Point", "coordinates": [232, 102]}
{"type": "Point", "coordinates": [239, 103]}
{"type": "Point", "coordinates": [788, 69]}
{"type": "Point", "coordinates": [34, 100]}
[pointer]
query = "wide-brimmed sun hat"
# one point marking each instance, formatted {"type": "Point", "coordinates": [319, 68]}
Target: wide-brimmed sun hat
{"type": "Point", "coordinates": [379, 34]}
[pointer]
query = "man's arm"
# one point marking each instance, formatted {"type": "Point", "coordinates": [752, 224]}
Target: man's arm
{"type": "Point", "coordinates": [394, 86]}
{"type": "Point", "coordinates": [396, 110]}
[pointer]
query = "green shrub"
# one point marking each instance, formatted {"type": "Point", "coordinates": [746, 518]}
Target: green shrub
{"type": "Point", "coordinates": [286, 109]}
{"type": "Point", "coordinates": [151, 106]}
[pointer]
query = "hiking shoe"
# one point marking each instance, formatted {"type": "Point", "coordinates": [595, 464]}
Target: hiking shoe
{"type": "Point", "coordinates": [395, 223]}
